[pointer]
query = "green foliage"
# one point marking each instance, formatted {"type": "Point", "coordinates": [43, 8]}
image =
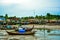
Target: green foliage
{"type": "Point", "coordinates": [48, 16]}
{"type": "Point", "coordinates": [14, 16]}
{"type": "Point", "coordinates": [6, 16]}
{"type": "Point", "coordinates": [1, 16]}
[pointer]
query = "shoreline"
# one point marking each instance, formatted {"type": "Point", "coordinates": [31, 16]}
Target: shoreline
{"type": "Point", "coordinates": [37, 26]}
{"type": "Point", "coordinates": [43, 26]}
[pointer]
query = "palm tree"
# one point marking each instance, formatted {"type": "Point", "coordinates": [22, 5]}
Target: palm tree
{"type": "Point", "coordinates": [48, 16]}
{"type": "Point", "coordinates": [6, 17]}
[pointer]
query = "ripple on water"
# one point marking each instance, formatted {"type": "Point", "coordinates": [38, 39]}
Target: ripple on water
{"type": "Point", "coordinates": [40, 35]}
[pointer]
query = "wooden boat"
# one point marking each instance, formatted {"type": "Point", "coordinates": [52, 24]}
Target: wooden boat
{"type": "Point", "coordinates": [7, 28]}
{"type": "Point", "coordinates": [18, 33]}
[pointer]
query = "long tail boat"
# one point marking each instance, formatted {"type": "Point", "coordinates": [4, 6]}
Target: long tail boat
{"type": "Point", "coordinates": [18, 33]}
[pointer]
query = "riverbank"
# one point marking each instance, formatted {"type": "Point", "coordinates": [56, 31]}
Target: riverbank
{"type": "Point", "coordinates": [37, 26]}
{"type": "Point", "coordinates": [39, 35]}
{"type": "Point", "coordinates": [43, 26]}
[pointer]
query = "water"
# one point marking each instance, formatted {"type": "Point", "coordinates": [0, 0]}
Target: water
{"type": "Point", "coordinates": [44, 35]}
{"type": "Point", "coordinates": [54, 37]}
{"type": "Point", "coordinates": [39, 35]}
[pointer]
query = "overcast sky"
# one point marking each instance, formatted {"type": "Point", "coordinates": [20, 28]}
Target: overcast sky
{"type": "Point", "coordinates": [22, 8]}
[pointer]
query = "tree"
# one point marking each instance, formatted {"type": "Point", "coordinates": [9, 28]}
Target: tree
{"type": "Point", "coordinates": [31, 17]}
{"type": "Point", "coordinates": [14, 16]}
{"type": "Point", "coordinates": [6, 16]}
{"type": "Point", "coordinates": [36, 16]}
{"type": "Point", "coordinates": [40, 17]}
{"type": "Point", "coordinates": [48, 16]}
{"type": "Point", "coordinates": [1, 16]}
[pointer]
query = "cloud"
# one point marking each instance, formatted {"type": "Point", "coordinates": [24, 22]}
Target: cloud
{"type": "Point", "coordinates": [23, 7]}
{"type": "Point", "coordinates": [32, 4]}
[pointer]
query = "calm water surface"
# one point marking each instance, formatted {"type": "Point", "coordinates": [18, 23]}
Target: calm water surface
{"type": "Point", "coordinates": [39, 35]}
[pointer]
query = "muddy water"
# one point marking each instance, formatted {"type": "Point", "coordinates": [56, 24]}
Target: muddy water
{"type": "Point", "coordinates": [39, 35]}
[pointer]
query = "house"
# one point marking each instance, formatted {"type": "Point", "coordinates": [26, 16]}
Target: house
{"type": "Point", "coordinates": [13, 20]}
{"type": "Point", "coordinates": [2, 20]}
{"type": "Point", "coordinates": [33, 21]}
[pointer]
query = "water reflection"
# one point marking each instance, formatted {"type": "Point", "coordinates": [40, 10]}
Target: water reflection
{"type": "Point", "coordinates": [55, 31]}
{"type": "Point", "coordinates": [39, 35]}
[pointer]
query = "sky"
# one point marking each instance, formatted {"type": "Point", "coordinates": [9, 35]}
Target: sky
{"type": "Point", "coordinates": [22, 8]}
